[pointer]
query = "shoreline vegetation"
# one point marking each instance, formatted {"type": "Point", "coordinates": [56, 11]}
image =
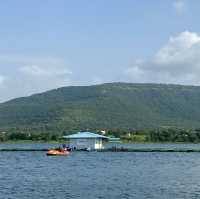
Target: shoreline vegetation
{"type": "Point", "coordinates": [160, 135]}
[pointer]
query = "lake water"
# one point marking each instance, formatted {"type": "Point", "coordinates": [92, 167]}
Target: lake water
{"type": "Point", "coordinates": [91, 175]}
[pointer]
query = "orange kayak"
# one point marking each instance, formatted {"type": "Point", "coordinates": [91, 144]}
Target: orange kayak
{"type": "Point", "coordinates": [57, 152]}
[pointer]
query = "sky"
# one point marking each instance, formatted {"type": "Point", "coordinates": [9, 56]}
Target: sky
{"type": "Point", "coordinates": [49, 44]}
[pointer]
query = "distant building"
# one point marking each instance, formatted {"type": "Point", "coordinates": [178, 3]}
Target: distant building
{"type": "Point", "coordinates": [103, 132]}
{"type": "Point", "coordinates": [85, 140]}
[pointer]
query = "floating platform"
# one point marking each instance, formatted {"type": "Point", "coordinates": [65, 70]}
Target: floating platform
{"type": "Point", "coordinates": [21, 149]}
{"type": "Point", "coordinates": [185, 150]}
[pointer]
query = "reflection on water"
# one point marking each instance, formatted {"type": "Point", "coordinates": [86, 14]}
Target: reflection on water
{"type": "Point", "coordinates": [99, 175]}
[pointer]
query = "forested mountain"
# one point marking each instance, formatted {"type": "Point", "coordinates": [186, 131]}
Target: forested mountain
{"type": "Point", "coordinates": [107, 106]}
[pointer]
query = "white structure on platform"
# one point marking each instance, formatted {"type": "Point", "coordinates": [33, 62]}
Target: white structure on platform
{"type": "Point", "coordinates": [86, 140]}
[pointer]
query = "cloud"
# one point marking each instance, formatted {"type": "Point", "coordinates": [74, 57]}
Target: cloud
{"type": "Point", "coordinates": [35, 70]}
{"type": "Point", "coordinates": [27, 75]}
{"type": "Point", "coordinates": [2, 80]}
{"type": "Point", "coordinates": [97, 80]}
{"type": "Point", "coordinates": [42, 78]}
{"type": "Point", "coordinates": [178, 61]}
{"type": "Point", "coordinates": [179, 6]}
{"type": "Point", "coordinates": [24, 59]}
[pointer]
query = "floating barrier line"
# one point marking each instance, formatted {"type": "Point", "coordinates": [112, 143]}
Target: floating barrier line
{"type": "Point", "coordinates": [112, 150]}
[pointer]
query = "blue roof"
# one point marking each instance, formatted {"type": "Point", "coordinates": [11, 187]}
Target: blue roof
{"type": "Point", "coordinates": [85, 135]}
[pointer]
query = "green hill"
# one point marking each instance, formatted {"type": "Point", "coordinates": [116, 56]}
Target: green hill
{"type": "Point", "coordinates": [106, 106]}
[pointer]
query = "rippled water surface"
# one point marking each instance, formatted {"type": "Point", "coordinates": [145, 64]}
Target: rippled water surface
{"type": "Point", "coordinates": [91, 175]}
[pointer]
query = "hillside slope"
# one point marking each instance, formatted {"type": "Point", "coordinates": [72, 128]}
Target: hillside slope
{"type": "Point", "coordinates": [106, 106]}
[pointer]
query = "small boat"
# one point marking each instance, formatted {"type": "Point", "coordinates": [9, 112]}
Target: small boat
{"type": "Point", "coordinates": [58, 152]}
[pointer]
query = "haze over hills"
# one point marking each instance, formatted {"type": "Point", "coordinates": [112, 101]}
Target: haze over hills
{"type": "Point", "coordinates": [106, 106]}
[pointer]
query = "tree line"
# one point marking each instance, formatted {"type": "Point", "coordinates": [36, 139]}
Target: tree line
{"type": "Point", "coordinates": [159, 135]}
{"type": "Point", "coordinates": [131, 135]}
{"type": "Point", "coordinates": [29, 136]}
